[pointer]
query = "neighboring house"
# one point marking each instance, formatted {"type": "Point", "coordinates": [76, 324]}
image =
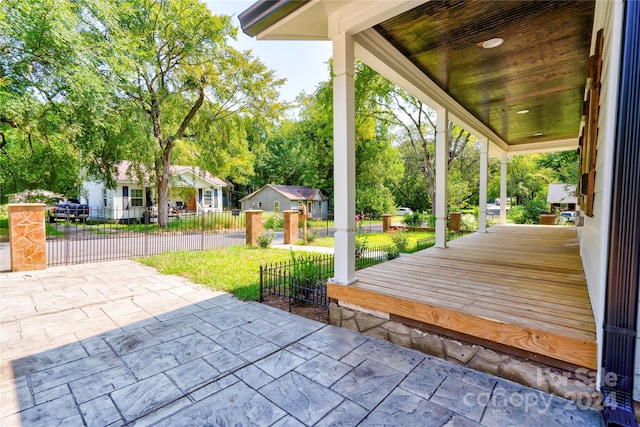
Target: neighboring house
{"type": "Point", "coordinates": [562, 197]}
{"type": "Point", "coordinates": [278, 198]}
{"type": "Point", "coordinates": [537, 76]}
{"type": "Point", "coordinates": [131, 195]}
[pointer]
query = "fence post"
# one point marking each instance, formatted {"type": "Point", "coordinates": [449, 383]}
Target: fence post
{"type": "Point", "coordinates": [290, 226]}
{"type": "Point", "coordinates": [386, 222]}
{"type": "Point", "coordinates": [27, 236]}
{"type": "Point", "coordinates": [202, 234]}
{"type": "Point", "coordinates": [253, 226]}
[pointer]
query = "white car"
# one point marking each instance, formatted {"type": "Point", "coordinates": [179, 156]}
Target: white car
{"type": "Point", "coordinates": [404, 211]}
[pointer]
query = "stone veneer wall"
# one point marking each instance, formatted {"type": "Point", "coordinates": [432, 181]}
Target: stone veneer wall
{"type": "Point", "coordinates": [579, 385]}
{"type": "Point", "coordinates": [27, 237]}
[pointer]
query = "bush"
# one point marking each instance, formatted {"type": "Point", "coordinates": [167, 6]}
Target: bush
{"type": "Point", "coordinates": [306, 272]}
{"type": "Point", "coordinates": [274, 222]}
{"type": "Point", "coordinates": [468, 222]}
{"type": "Point", "coordinates": [400, 240]}
{"type": "Point", "coordinates": [529, 213]}
{"type": "Point", "coordinates": [415, 219]}
{"type": "Point", "coordinates": [265, 239]}
{"type": "Point", "coordinates": [361, 246]}
{"type": "Point", "coordinates": [310, 237]}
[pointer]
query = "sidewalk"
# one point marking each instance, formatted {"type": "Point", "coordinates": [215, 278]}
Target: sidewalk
{"type": "Point", "coordinates": [117, 343]}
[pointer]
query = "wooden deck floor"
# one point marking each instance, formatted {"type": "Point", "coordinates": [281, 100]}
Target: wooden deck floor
{"type": "Point", "coordinates": [518, 286]}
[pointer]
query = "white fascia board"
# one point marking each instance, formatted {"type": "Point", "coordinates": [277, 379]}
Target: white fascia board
{"type": "Point", "coordinates": [372, 49]}
{"type": "Point", "coordinates": [360, 15]}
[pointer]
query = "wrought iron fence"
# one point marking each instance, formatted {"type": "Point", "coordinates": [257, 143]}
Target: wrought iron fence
{"type": "Point", "coordinates": [304, 277]}
{"type": "Point", "coordinates": [109, 234]}
{"type": "Point", "coordinates": [430, 241]}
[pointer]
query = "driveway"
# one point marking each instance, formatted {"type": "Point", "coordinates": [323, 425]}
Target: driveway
{"type": "Point", "coordinates": [116, 343]}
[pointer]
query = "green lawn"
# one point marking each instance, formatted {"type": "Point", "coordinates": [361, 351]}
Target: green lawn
{"type": "Point", "coordinates": [381, 239]}
{"type": "Point", "coordinates": [235, 269]}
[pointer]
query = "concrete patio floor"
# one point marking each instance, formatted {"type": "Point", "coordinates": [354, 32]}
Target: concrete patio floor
{"type": "Point", "coordinates": [116, 343]}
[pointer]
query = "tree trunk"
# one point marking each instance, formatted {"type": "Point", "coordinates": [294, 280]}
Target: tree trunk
{"type": "Point", "coordinates": [162, 174]}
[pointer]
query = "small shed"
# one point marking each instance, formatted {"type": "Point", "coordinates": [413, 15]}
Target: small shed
{"type": "Point", "coordinates": [278, 198]}
{"type": "Point", "coordinates": [562, 197]}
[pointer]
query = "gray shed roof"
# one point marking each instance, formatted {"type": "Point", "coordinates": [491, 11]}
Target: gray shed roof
{"type": "Point", "coordinates": [562, 193]}
{"type": "Point", "coordinates": [292, 192]}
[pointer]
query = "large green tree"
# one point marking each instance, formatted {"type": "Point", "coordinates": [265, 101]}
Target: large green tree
{"type": "Point", "coordinates": [171, 59]}
{"type": "Point", "coordinates": [87, 83]}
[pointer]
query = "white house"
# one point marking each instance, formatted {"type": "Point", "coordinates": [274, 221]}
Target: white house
{"type": "Point", "coordinates": [132, 195]}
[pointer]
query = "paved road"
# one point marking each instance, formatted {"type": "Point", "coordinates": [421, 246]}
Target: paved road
{"type": "Point", "coordinates": [116, 343]}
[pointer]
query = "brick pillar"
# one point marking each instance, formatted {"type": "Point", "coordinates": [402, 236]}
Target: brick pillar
{"type": "Point", "coordinates": [386, 222]}
{"type": "Point", "coordinates": [27, 237]}
{"type": "Point", "coordinates": [290, 227]}
{"type": "Point", "coordinates": [254, 226]}
{"type": "Point", "coordinates": [455, 219]}
{"type": "Point", "coordinates": [548, 219]}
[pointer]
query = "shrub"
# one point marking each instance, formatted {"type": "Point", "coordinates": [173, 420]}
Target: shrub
{"type": "Point", "coordinates": [265, 239]}
{"type": "Point", "coordinates": [310, 237]}
{"type": "Point", "coordinates": [400, 240]}
{"type": "Point", "coordinates": [414, 220]}
{"type": "Point", "coordinates": [274, 222]}
{"type": "Point", "coordinates": [529, 213]}
{"type": "Point", "coordinates": [468, 222]}
{"type": "Point", "coordinates": [392, 252]}
{"type": "Point", "coordinates": [305, 274]}
{"type": "Point", "coordinates": [361, 246]}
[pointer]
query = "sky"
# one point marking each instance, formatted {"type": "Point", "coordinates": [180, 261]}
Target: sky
{"type": "Point", "coordinates": [302, 63]}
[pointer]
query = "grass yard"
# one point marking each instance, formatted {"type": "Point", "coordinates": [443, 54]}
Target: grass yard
{"type": "Point", "coordinates": [235, 269]}
{"type": "Point", "coordinates": [381, 239]}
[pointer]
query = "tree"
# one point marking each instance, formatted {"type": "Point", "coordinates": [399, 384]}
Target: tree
{"type": "Point", "coordinates": [171, 60]}
{"type": "Point", "coordinates": [416, 124]}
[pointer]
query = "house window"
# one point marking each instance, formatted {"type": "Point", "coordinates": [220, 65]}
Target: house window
{"type": "Point", "coordinates": [215, 198]}
{"type": "Point", "coordinates": [319, 208]}
{"type": "Point", "coordinates": [104, 197]}
{"type": "Point", "coordinates": [276, 207]}
{"type": "Point", "coordinates": [207, 198]}
{"type": "Point", "coordinates": [136, 197]}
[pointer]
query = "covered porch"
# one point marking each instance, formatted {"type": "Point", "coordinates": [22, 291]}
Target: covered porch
{"type": "Point", "coordinates": [517, 289]}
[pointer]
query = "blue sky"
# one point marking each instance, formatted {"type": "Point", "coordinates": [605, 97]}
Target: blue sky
{"type": "Point", "coordinates": [302, 63]}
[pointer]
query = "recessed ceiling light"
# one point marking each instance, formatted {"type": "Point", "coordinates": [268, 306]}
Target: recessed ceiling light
{"type": "Point", "coordinates": [522, 112]}
{"type": "Point", "coordinates": [538, 134]}
{"type": "Point", "coordinates": [491, 43]}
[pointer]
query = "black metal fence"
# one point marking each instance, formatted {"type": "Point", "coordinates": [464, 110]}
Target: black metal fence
{"type": "Point", "coordinates": [430, 241]}
{"type": "Point", "coordinates": [303, 279]}
{"type": "Point", "coordinates": [110, 235]}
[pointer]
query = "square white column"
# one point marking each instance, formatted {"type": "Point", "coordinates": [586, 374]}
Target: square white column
{"type": "Point", "coordinates": [344, 160]}
{"type": "Point", "coordinates": [503, 188]}
{"type": "Point", "coordinates": [484, 166]}
{"type": "Point", "coordinates": [442, 166]}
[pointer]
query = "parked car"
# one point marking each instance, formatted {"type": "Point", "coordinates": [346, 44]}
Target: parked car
{"type": "Point", "coordinates": [69, 209]}
{"type": "Point", "coordinates": [404, 211]}
{"type": "Point", "coordinates": [569, 216]}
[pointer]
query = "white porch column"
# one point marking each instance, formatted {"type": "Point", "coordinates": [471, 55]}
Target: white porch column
{"type": "Point", "coordinates": [503, 188]}
{"type": "Point", "coordinates": [344, 160]}
{"type": "Point", "coordinates": [484, 166]}
{"type": "Point", "coordinates": [442, 161]}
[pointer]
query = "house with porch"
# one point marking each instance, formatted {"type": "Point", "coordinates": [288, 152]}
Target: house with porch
{"type": "Point", "coordinates": [277, 198]}
{"type": "Point", "coordinates": [190, 188]}
{"type": "Point", "coordinates": [524, 77]}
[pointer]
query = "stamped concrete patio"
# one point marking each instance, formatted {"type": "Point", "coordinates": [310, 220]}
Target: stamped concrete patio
{"type": "Point", "coordinates": [117, 343]}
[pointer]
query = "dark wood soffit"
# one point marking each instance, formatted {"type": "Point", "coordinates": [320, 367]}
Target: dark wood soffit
{"type": "Point", "coordinates": [541, 66]}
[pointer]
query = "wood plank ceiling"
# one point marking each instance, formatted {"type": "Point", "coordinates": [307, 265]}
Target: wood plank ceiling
{"type": "Point", "coordinates": [541, 66]}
